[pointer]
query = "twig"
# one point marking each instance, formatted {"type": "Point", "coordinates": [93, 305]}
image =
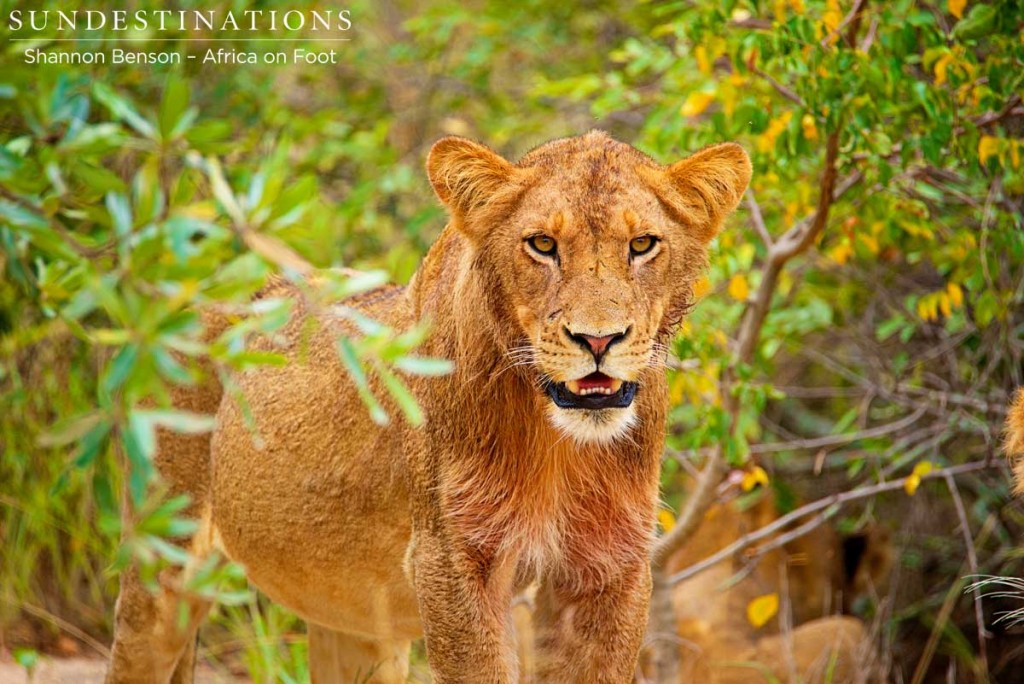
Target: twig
{"type": "Point", "coordinates": [781, 89]}
{"type": "Point", "coordinates": [990, 118]}
{"type": "Point", "coordinates": [972, 562]}
{"type": "Point", "coordinates": [66, 626]}
{"type": "Point", "coordinates": [837, 500]}
{"type": "Point", "coordinates": [835, 440]}
{"type": "Point", "coordinates": [854, 14]}
{"type": "Point", "coordinates": [869, 39]}
{"type": "Point", "coordinates": [757, 218]}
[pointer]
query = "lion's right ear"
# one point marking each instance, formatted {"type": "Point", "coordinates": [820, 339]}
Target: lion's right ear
{"type": "Point", "coordinates": [468, 177]}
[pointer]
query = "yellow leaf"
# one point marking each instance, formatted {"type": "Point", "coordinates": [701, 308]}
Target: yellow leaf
{"type": "Point", "coordinates": [944, 305]}
{"type": "Point", "coordinates": [703, 61]}
{"type": "Point", "coordinates": [833, 17]}
{"type": "Point", "coordinates": [766, 141]}
{"type": "Point", "coordinates": [738, 288]}
{"type": "Point", "coordinates": [667, 520]}
{"type": "Point", "coordinates": [869, 241]}
{"type": "Point", "coordinates": [701, 287]}
{"type": "Point", "coordinates": [956, 294]}
{"type": "Point", "coordinates": [200, 210]}
{"type": "Point", "coordinates": [798, 6]}
{"type": "Point", "coordinates": [913, 481]}
{"type": "Point", "coordinates": [928, 306]}
{"type": "Point", "coordinates": [941, 66]}
{"type": "Point", "coordinates": [779, 10]}
{"type": "Point", "coordinates": [956, 8]}
{"type": "Point", "coordinates": [988, 146]}
{"type": "Point", "coordinates": [728, 96]}
{"type": "Point", "coordinates": [753, 478]}
{"type": "Point", "coordinates": [696, 103]}
{"type": "Point", "coordinates": [762, 609]}
{"type": "Point", "coordinates": [810, 130]}
{"type": "Point", "coordinates": [841, 253]}
{"type": "Point", "coordinates": [911, 484]}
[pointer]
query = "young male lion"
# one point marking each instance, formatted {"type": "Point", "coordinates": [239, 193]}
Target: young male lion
{"type": "Point", "coordinates": [554, 289]}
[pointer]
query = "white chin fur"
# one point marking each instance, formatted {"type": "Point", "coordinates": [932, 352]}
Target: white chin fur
{"type": "Point", "coordinates": [584, 425]}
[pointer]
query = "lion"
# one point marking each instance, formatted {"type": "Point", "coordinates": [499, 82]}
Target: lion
{"type": "Point", "coordinates": [554, 289]}
{"type": "Point", "coordinates": [816, 578]}
{"type": "Point", "coordinates": [1014, 445]}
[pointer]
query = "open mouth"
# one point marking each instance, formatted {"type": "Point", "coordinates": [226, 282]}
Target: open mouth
{"type": "Point", "coordinates": [595, 391]}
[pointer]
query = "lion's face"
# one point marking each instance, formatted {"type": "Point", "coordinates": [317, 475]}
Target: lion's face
{"type": "Point", "coordinates": [589, 250]}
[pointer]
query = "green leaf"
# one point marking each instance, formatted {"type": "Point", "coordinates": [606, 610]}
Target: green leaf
{"type": "Point", "coordinates": [70, 430]}
{"type": "Point", "coordinates": [173, 106]}
{"type": "Point", "coordinates": [185, 422]}
{"type": "Point", "coordinates": [120, 367]}
{"type": "Point", "coordinates": [401, 394]}
{"type": "Point", "coordinates": [120, 213]}
{"type": "Point", "coordinates": [120, 108]}
{"type": "Point", "coordinates": [351, 363]}
{"type": "Point", "coordinates": [977, 23]}
{"type": "Point", "coordinates": [419, 365]}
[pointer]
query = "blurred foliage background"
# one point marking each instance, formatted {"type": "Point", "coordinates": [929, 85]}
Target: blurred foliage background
{"type": "Point", "coordinates": [130, 195]}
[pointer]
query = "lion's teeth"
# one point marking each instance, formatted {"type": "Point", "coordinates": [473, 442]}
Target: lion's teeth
{"type": "Point", "coordinates": [575, 387]}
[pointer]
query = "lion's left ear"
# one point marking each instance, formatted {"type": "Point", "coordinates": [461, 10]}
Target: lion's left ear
{"type": "Point", "coordinates": [703, 189]}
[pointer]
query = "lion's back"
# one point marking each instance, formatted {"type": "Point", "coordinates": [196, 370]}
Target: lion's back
{"type": "Point", "coordinates": [300, 470]}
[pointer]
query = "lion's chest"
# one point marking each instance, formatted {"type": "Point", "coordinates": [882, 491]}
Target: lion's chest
{"type": "Point", "coordinates": [562, 512]}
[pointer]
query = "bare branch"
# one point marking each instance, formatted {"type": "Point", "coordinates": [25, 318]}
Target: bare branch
{"type": "Point", "coordinates": [794, 241]}
{"type": "Point", "coordinates": [781, 89]}
{"type": "Point", "coordinates": [836, 440]}
{"type": "Point", "coordinates": [836, 500]}
{"type": "Point", "coordinates": [758, 219]}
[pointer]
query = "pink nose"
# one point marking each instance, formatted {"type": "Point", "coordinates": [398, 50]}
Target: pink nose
{"type": "Point", "coordinates": [596, 344]}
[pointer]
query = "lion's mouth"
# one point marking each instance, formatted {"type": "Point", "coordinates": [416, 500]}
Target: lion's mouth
{"type": "Point", "coordinates": [595, 391]}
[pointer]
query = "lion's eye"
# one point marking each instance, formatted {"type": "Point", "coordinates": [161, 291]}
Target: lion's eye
{"type": "Point", "coordinates": [642, 245]}
{"type": "Point", "coordinates": [542, 244]}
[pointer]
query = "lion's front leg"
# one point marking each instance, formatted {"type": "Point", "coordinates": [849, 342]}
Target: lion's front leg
{"type": "Point", "coordinates": [593, 634]}
{"type": "Point", "coordinates": [464, 605]}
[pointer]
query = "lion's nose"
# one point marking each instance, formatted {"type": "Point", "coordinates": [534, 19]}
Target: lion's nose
{"type": "Point", "coordinates": [597, 345]}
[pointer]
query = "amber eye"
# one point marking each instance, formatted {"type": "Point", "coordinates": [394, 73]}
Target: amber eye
{"type": "Point", "coordinates": [642, 245]}
{"type": "Point", "coordinates": [542, 244]}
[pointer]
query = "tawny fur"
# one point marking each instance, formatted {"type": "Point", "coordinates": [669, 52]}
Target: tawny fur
{"type": "Point", "coordinates": [815, 581]}
{"type": "Point", "coordinates": [377, 535]}
{"type": "Point", "coordinates": [1014, 432]}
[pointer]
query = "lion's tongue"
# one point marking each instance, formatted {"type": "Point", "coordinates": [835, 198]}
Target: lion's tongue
{"type": "Point", "coordinates": [595, 383]}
